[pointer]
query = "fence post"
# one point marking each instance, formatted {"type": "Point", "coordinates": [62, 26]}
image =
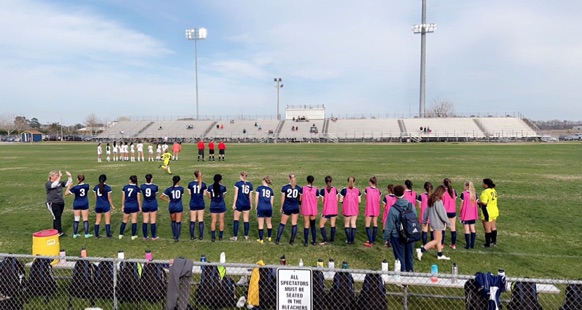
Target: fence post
{"type": "Point", "coordinates": [115, 305]}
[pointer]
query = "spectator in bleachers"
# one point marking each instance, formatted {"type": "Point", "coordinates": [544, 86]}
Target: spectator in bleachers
{"type": "Point", "coordinates": [221, 126]}
{"type": "Point", "coordinates": [160, 128]}
{"type": "Point", "coordinates": [217, 126]}
{"type": "Point", "coordinates": [244, 131]}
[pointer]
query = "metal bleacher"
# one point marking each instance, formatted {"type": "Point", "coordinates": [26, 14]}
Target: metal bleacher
{"type": "Point", "coordinates": [364, 129]}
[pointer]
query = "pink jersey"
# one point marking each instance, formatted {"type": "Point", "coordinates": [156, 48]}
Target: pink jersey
{"type": "Point", "coordinates": [309, 200]}
{"type": "Point", "coordinates": [329, 201]}
{"type": "Point", "coordinates": [410, 195]}
{"type": "Point", "coordinates": [468, 208]}
{"type": "Point", "coordinates": [423, 206]}
{"type": "Point", "coordinates": [351, 205]}
{"type": "Point", "coordinates": [389, 201]}
{"type": "Point", "coordinates": [449, 202]}
{"type": "Point", "coordinates": [373, 196]}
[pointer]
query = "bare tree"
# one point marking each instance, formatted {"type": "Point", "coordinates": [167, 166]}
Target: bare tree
{"type": "Point", "coordinates": [91, 122]}
{"type": "Point", "coordinates": [21, 124]}
{"type": "Point", "coordinates": [7, 123]}
{"type": "Point", "coordinates": [441, 108]}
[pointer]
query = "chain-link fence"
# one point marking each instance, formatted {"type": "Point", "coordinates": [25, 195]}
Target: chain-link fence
{"type": "Point", "coordinates": [28, 282]}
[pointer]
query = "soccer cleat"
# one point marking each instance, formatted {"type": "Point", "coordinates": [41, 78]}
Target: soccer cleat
{"type": "Point", "coordinates": [442, 257]}
{"type": "Point", "coordinates": [269, 239]}
{"type": "Point", "coordinates": [486, 245]}
{"type": "Point", "coordinates": [454, 246]}
{"type": "Point", "coordinates": [246, 238]}
{"type": "Point", "coordinates": [419, 254]}
{"type": "Point", "coordinates": [133, 237]}
{"type": "Point", "coordinates": [233, 238]}
{"type": "Point", "coordinates": [155, 238]}
{"type": "Point", "coordinates": [176, 240]}
{"type": "Point", "coordinates": [292, 241]}
{"type": "Point", "coordinates": [313, 243]}
{"type": "Point", "coordinates": [87, 236]}
{"type": "Point", "coordinates": [277, 241]}
{"type": "Point", "coordinates": [62, 234]}
{"type": "Point", "coordinates": [192, 238]}
{"type": "Point", "coordinates": [200, 238]}
{"type": "Point", "coordinates": [120, 237]}
{"type": "Point", "coordinates": [305, 244]}
{"type": "Point", "coordinates": [145, 238]}
{"type": "Point", "coordinates": [322, 243]}
{"type": "Point", "coordinates": [220, 239]}
{"type": "Point", "coordinates": [493, 244]}
{"type": "Point", "coordinates": [109, 236]}
{"type": "Point", "coordinates": [367, 244]}
{"type": "Point", "coordinates": [75, 236]}
{"type": "Point", "coordinates": [97, 237]}
{"type": "Point", "coordinates": [213, 239]}
{"type": "Point", "coordinates": [260, 241]}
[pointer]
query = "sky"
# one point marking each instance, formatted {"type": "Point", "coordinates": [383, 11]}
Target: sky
{"type": "Point", "coordinates": [66, 59]}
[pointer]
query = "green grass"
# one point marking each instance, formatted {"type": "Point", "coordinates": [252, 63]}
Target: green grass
{"type": "Point", "coordinates": [539, 186]}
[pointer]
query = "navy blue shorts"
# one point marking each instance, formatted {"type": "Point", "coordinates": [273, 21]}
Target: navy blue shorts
{"type": "Point", "coordinates": [147, 209]}
{"type": "Point", "coordinates": [291, 211]}
{"type": "Point", "coordinates": [265, 213]}
{"type": "Point", "coordinates": [130, 210]}
{"type": "Point", "coordinates": [211, 151]}
{"type": "Point", "coordinates": [196, 208]}
{"type": "Point", "coordinates": [101, 210]}
{"type": "Point", "coordinates": [217, 207]}
{"type": "Point", "coordinates": [468, 222]}
{"type": "Point", "coordinates": [451, 215]}
{"type": "Point", "coordinates": [220, 152]}
{"type": "Point", "coordinates": [175, 210]}
{"type": "Point", "coordinates": [242, 208]}
{"type": "Point", "coordinates": [81, 207]}
{"type": "Point", "coordinates": [328, 216]}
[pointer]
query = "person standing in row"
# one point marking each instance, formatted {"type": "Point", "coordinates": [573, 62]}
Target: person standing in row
{"type": "Point", "coordinates": [140, 155]}
{"type": "Point", "coordinates": [438, 220]}
{"type": "Point", "coordinates": [469, 214]}
{"type": "Point", "coordinates": [201, 150]}
{"type": "Point", "coordinates": [489, 212]}
{"type": "Point", "coordinates": [388, 201]}
{"type": "Point", "coordinates": [211, 150]}
{"type": "Point", "coordinates": [115, 151]}
{"type": "Point", "coordinates": [130, 206]}
{"type": "Point", "coordinates": [149, 207]}
{"type": "Point", "coordinates": [132, 149]}
{"type": "Point", "coordinates": [108, 151]}
{"type": "Point", "coordinates": [290, 197]}
{"type": "Point", "coordinates": [372, 211]}
{"type": "Point", "coordinates": [54, 197]}
{"type": "Point", "coordinates": [99, 152]}
{"type": "Point", "coordinates": [173, 195]}
{"type": "Point", "coordinates": [309, 210]}
{"type": "Point", "coordinates": [197, 190]}
{"type": "Point", "coordinates": [264, 205]}
{"type": "Point", "coordinates": [423, 205]}
{"type": "Point", "coordinates": [409, 193]}
{"type": "Point", "coordinates": [242, 203]}
{"type": "Point", "coordinates": [176, 149]}
{"type": "Point", "coordinates": [103, 205]}
{"type": "Point", "coordinates": [350, 197]}
{"type": "Point", "coordinates": [158, 151]}
{"type": "Point", "coordinates": [216, 193]}
{"type": "Point", "coordinates": [450, 203]}
{"type": "Point", "coordinates": [402, 250]}
{"type": "Point", "coordinates": [80, 205]}
{"type": "Point", "coordinates": [150, 152]}
{"type": "Point", "coordinates": [329, 212]}
{"type": "Point", "coordinates": [221, 150]}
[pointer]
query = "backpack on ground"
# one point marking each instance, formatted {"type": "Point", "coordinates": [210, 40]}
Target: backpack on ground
{"type": "Point", "coordinates": [104, 280]}
{"type": "Point", "coordinates": [373, 294]}
{"type": "Point", "coordinates": [12, 282]}
{"type": "Point", "coordinates": [408, 227]}
{"type": "Point", "coordinates": [474, 300]}
{"type": "Point", "coordinates": [153, 283]}
{"type": "Point", "coordinates": [128, 282]}
{"type": "Point", "coordinates": [41, 281]}
{"type": "Point", "coordinates": [83, 282]}
{"type": "Point", "coordinates": [573, 299]}
{"type": "Point", "coordinates": [267, 288]}
{"type": "Point", "coordinates": [227, 296]}
{"type": "Point", "coordinates": [342, 295]}
{"type": "Point", "coordinates": [319, 298]}
{"type": "Point", "coordinates": [207, 291]}
{"type": "Point", "coordinates": [524, 296]}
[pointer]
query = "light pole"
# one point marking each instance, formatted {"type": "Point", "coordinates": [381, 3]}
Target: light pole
{"type": "Point", "coordinates": [196, 34]}
{"type": "Point", "coordinates": [423, 29]}
{"type": "Point", "coordinates": [278, 86]}
{"type": "Point", "coordinates": [61, 114]}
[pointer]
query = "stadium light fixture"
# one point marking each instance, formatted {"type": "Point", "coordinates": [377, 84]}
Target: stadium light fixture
{"type": "Point", "coordinates": [423, 28]}
{"type": "Point", "coordinates": [279, 85]}
{"type": "Point", "coordinates": [196, 34]}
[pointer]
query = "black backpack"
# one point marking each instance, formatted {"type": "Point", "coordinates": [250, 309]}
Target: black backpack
{"type": "Point", "coordinates": [373, 294]}
{"type": "Point", "coordinates": [153, 283]}
{"type": "Point", "coordinates": [227, 294]}
{"type": "Point", "coordinates": [474, 300]}
{"type": "Point", "coordinates": [83, 283]}
{"type": "Point", "coordinates": [41, 281]}
{"type": "Point", "coordinates": [408, 227]}
{"type": "Point", "coordinates": [127, 289]}
{"type": "Point", "coordinates": [12, 282]}
{"type": "Point", "coordinates": [573, 299]}
{"type": "Point", "coordinates": [104, 280]}
{"type": "Point", "coordinates": [319, 298]}
{"type": "Point", "coordinates": [267, 288]}
{"type": "Point", "coordinates": [524, 296]}
{"type": "Point", "coordinates": [207, 291]}
{"type": "Point", "coordinates": [342, 295]}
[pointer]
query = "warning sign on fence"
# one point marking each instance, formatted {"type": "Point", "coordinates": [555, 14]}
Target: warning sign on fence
{"type": "Point", "coordinates": [294, 289]}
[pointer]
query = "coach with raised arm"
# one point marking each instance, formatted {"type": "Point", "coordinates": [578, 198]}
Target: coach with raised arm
{"type": "Point", "coordinates": [54, 197]}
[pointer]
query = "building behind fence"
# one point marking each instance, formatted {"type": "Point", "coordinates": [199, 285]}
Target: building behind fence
{"type": "Point", "coordinates": [29, 282]}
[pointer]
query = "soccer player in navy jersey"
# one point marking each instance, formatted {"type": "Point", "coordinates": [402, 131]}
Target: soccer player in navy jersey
{"type": "Point", "coordinates": [130, 206]}
{"type": "Point", "coordinates": [216, 193]}
{"type": "Point", "coordinates": [80, 205]}
{"type": "Point", "coordinates": [149, 207]}
{"type": "Point", "coordinates": [242, 203]}
{"type": "Point", "coordinates": [264, 205]}
{"type": "Point", "coordinates": [197, 191]}
{"type": "Point", "coordinates": [291, 195]}
{"type": "Point", "coordinates": [173, 195]}
{"type": "Point", "coordinates": [103, 205]}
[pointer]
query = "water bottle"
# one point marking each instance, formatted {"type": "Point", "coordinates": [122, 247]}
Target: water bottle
{"type": "Point", "coordinates": [331, 264]}
{"type": "Point", "coordinates": [120, 254]}
{"type": "Point", "coordinates": [222, 258]}
{"type": "Point", "coordinates": [83, 252]}
{"type": "Point", "coordinates": [455, 273]}
{"type": "Point", "coordinates": [397, 267]}
{"type": "Point", "coordinates": [300, 262]}
{"type": "Point", "coordinates": [63, 257]}
{"type": "Point", "coordinates": [345, 265]}
{"type": "Point", "coordinates": [283, 260]}
{"type": "Point", "coordinates": [385, 269]}
{"type": "Point", "coordinates": [148, 255]}
{"type": "Point", "coordinates": [501, 272]}
{"type": "Point", "coordinates": [320, 263]}
{"type": "Point", "coordinates": [434, 270]}
{"type": "Point", "coordinates": [203, 258]}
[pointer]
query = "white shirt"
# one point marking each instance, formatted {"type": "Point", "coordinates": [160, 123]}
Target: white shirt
{"type": "Point", "coordinates": [140, 147]}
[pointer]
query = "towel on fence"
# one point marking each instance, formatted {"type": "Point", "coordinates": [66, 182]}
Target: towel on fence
{"type": "Point", "coordinates": [253, 296]}
{"type": "Point", "coordinates": [491, 286]}
{"type": "Point", "coordinates": [179, 284]}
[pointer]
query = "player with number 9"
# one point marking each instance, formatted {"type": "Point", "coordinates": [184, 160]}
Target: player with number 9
{"type": "Point", "coordinates": [149, 207]}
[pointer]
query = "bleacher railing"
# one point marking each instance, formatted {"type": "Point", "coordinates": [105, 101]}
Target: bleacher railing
{"type": "Point", "coordinates": [105, 283]}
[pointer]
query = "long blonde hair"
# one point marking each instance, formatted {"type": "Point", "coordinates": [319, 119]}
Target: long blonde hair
{"type": "Point", "coordinates": [471, 187]}
{"type": "Point", "coordinates": [351, 182]}
{"type": "Point", "coordinates": [293, 180]}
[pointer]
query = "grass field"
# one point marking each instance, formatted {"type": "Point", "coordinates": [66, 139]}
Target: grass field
{"type": "Point", "coordinates": [539, 187]}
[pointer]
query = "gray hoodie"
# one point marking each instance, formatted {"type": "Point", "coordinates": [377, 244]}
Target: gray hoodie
{"type": "Point", "coordinates": [437, 216]}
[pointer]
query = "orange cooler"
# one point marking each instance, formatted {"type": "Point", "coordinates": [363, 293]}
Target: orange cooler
{"type": "Point", "coordinates": [46, 243]}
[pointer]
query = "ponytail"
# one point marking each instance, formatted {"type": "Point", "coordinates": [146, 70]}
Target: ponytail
{"type": "Point", "coordinates": [449, 188]}
{"type": "Point", "coordinates": [198, 175]}
{"type": "Point", "coordinates": [80, 178]}
{"type": "Point", "coordinates": [328, 183]}
{"type": "Point", "coordinates": [243, 175]}
{"type": "Point", "coordinates": [310, 179]}
{"type": "Point", "coordinates": [216, 185]}
{"type": "Point", "coordinates": [436, 195]}
{"type": "Point", "coordinates": [149, 177]}
{"type": "Point", "coordinates": [471, 187]}
{"type": "Point", "coordinates": [351, 182]}
{"type": "Point", "coordinates": [374, 181]}
{"type": "Point", "coordinates": [102, 179]}
{"type": "Point", "coordinates": [408, 184]}
{"type": "Point", "coordinates": [133, 179]}
{"type": "Point", "coordinates": [176, 179]}
{"type": "Point", "coordinates": [268, 180]}
{"type": "Point", "coordinates": [428, 188]}
{"type": "Point", "coordinates": [293, 180]}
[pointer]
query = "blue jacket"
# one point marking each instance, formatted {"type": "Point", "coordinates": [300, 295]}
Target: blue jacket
{"type": "Point", "coordinates": [491, 286]}
{"type": "Point", "coordinates": [393, 218]}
